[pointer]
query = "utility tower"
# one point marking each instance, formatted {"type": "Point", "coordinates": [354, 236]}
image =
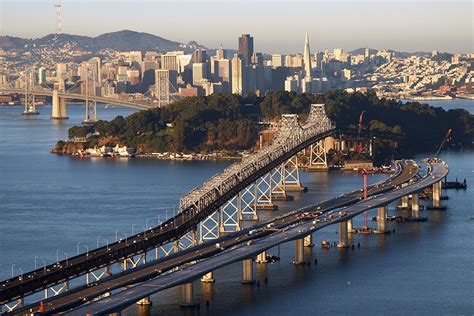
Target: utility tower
{"type": "Point", "coordinates": [58, 17]}
{"type": "Point", "coordinates": [30, 103]}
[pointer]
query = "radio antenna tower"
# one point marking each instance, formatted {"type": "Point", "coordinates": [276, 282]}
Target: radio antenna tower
{"type": "Point", "coordinates": [58, 17]}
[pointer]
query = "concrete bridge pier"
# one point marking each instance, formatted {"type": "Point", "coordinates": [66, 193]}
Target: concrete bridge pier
{"type": "Point", "coordinates": [261, 257]}
{"type": "Point", "coordinates": [382, 220]}
{"type": "Point", "coordinates": [299, 251]}
{"type": "Point", "coordinates": [187, 290]}
{"type": "Point", "coordinates": [437, 188]}
{"type": "Point", "coordinates": [208, 278]}
{"type": "Point", "coordinates": [308, 241]}
{"type": "Point", "coordinates": [247, 271]}
{"type": "Point", "coordinates": [58, 110]}
{"type": "Point", "coordinates": [350, 226]}
{"type": "Point", "coordinates": [415, 206]}
{"type": "Point", "coordinates": [343, 235]}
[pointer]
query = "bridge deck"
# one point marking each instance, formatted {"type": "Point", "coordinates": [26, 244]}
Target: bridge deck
{"type": "Point", "coordinates": [127, 297]}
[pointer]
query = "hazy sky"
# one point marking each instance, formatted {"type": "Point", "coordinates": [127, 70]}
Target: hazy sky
{"type": "Point", "coordinates": [277, 25]}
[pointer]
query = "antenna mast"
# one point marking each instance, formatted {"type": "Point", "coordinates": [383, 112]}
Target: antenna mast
{"type": "Point", "coordinates": [58, 17]}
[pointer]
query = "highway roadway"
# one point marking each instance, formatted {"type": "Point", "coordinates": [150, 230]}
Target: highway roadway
{"type": "Point", "coordinates": [406, 170]}
{"type": "Point", "coordinates": [168, 231]}
{"type": "Point", "coordinates": [116, 302]}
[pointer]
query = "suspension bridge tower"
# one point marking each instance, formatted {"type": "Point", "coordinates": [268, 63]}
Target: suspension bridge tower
{"type": "Point", "coordinates": [30, 103]}
{"type": "Point", "coordinates": [91, 105]}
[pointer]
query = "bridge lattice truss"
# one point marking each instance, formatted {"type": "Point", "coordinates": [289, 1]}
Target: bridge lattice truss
{"type": "Point", "coordinates": [199, 205]}
{"type": "Point", "coordinates": [291, 134]}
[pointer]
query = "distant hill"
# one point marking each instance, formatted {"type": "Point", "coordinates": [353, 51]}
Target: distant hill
{"type": "Point", "coordinates": [125, 40]}
{"type": "Point", "coordinates": [361, 51]}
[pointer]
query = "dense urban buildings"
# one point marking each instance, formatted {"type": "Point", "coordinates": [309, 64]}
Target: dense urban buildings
{"type": "Point", "coordinates": [164, 76]}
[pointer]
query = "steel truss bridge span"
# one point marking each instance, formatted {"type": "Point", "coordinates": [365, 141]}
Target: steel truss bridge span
{"type": "Point", "coordinates": [291, 138]}
{"type": "Point", "coordinates": [78, 96]}
{"type": "Point", "coordinates": [116, 302]}
{"type": "Point", "coordinates": [405, 170]}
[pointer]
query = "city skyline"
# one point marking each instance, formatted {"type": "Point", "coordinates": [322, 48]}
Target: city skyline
{"type": "Point", "coordinates": [421, 29]}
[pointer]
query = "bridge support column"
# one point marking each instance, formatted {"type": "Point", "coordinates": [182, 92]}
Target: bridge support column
{"type": "Point", "coordinates": [350, 226]}
{"type": "Point", "coordinates": [381, 219]}
{"type": "Point", "coordinates": [247, 271]}
{"type": "Point", "coordinates": [208, 278]}
{"type": "Point", "coordinates": [264, 193]}
{"type": "Point", "coordinates": [261, 257]}
{"type": "Point", "coordinates": [248, 199]}
{"type": "Point", "coordinates": [230, 215]}
{"type": "Point", "coordinates": [299, 251]}
{"type": "Point", "coordinates": [343, 238]}
{"type": "Point", "coordinates": [415, 206]}
{"type": "Point", "coordinates": [278, 189]}
{"type": "Point", "coordinates": [308, 241]}
{"type": "Point", "coordinates": [437, 190]}
{"type": "Point", "coordinates": [58, 110]}
{"type": "Point", "coordinates": [187, 290]}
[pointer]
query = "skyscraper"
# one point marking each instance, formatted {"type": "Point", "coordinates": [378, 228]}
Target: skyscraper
{"type": "Point", "coordinates": [239, 74]}
{"type": "Point", "coordinates": [307, 58]}
{"type": "Point", "coordinates": [246, 47]}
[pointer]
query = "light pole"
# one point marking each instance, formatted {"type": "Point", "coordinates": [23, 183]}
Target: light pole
{"type": "Point", "coordinates": [13, 267]}
{"type": "Point", "coordinates": [87, 253]}
{"type": "Point", "coordinates": [67, 259]}
{"type": "Point", "coordinates": [133, 225]}
{"type": "Point", "coordinates": [98, 237]}
{"type": "Point", "coordinates": [125, 239]}
{"type": "Point", "coordinates": [78, 250]}
{"type": "Point", "coordinates": [116, 235]}
{"type": "Point", "coordinates": [21, 274]}
{"type": "Point", "coordinates": [107, 243]}
{"type": "Point", "coordinates": [57, 255]}
{"type": "Point", "coordinates": [35, 261]}
{"type": "Point", "coordinates": [44, 267]}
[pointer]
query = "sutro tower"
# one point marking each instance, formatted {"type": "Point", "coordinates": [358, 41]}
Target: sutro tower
{"type": "Point", "coordinates": [58, 16]}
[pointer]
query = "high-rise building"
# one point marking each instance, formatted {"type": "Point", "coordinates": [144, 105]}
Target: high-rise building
{"type": "Point", "coordinates": [170, 61]}
{"type": "Point", "coordinates": [223, 73]}
{"type": "Point", "coordinates": [220, 53]}
{"type": "Point", "coordinates": [135, 56]}
{"type": "Point", "coordinates": [199, 56]}
{"type": "Point", "coordinates": [199, 73]}
{"type": "Point", "coordinates": [277, 60]}
{"type": "Point", "coordinates": [246, 47]}
{"type": "Point", "coordinates": [41, 75]}
{"type": "Point", "coordinates": [307, 58]}
{"type": "Point", "coordinates": [239, 74]}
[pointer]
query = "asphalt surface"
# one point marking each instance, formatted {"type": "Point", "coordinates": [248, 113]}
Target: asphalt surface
{"type": "Point", "coordinates": [118, 301]}
{"type": "Point", "coordinates": [406, 170]}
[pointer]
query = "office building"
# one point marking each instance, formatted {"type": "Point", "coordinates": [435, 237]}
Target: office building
{"type": "Point", "coordinates": [246, 48]}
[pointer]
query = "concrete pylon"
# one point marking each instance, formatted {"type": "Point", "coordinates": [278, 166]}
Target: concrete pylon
{"type": "Point", "coordinates": [437, 188]}
{"type": "Point", "coordinates": [350, 226]}
{"type": "Point", "coordinates": [381, 220]}
{"type": "Point", "coordinates": [58, 110]}
{"type": "Point", "coordinates": [247, 272]}
{"type": "Point", "coordinates": [261, 257]}
{"type": "Point", "coordinates": [308, 241]}
{"type": "Point", "coordinates": [299, 251]}
{"type": "Point", "coordinates": [343, 238]}
{"type": "Point", "coordinates": [187, 290]}
{"type": "Point", "coordinates": [415, 206]}
{"type": "Point", "coordinates": [208, 278]}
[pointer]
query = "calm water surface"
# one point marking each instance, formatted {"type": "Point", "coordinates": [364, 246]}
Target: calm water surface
{"type": "Point", "coordinates": [51, 203]}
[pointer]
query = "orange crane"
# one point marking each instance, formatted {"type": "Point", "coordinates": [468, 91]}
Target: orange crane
{"type": "Point", "coordinates": [358, 147]}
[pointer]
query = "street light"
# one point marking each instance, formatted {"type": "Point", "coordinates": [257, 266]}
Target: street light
{"type": "Point", "coordinates": [67, 259]}
{"type": "Point", "coordinates": [98, 237]}
{"type": "Point", "coordinates": [44, 266]}
{"type": "Point", "coordinates": [133, 225]}
{"type": "Point", "coordinates": [35, 261]}
{"type": "Point", "coordinates": [116, 235]}
{"type": "Point", "coordinates": [107, 241]}
{"type": "Point", "coordinates": [21, 274]}
{"type": "Point", "coordinates": [78, 247]}
{"type": "Point", "coordinates": [13, 267]}
{"type": "Point", "coordinates": [57, 255]}
{"type": "Point", "coordinates": [87, 253]}
{"type": "Point", "coordinates": [125, 239]}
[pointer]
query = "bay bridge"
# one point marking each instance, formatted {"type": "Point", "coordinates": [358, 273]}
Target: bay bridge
{"type": "Point", "coordinates": [59, 95]}
{"type": "Point", "coordinates": [207, 234]}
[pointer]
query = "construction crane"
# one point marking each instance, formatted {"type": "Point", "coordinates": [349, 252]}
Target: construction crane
{"type": "Point", "coordinates": [446, 139]}
{"type": "Point", "coordinates": [358, 146]}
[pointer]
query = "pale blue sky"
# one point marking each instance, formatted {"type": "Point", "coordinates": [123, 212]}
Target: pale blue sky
{"type": "Point", "coordinates": [278, 26]}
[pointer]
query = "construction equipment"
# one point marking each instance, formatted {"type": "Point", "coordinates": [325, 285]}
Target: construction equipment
{"type": "Point", "coordinates": [446, 139]}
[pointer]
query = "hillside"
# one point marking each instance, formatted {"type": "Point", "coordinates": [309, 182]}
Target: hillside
{"type": "Point", "coordinates": [125, 40]}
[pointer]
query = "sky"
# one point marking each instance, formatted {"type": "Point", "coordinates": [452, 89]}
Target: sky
{"type": "Point", "coordinates": [277, 25]}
